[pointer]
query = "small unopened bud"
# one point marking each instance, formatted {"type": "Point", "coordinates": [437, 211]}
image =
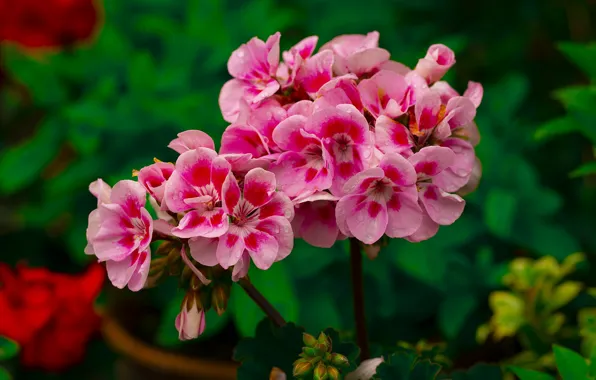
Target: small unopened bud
{"type": "Point", "coordinates": [302, 367]}
{"type": "Point", "coordinates": [325, 341]}
{"type": "Point", "coordinates": [339, 360]}
{"type": "Point", "coordinates": [333, 373]}
{"type": "Point", "coordinates": [309, 340]}
{"type": "Point", "coordinates": [157, 265]}
{"type": "Point", "coordinates": [190, 322]}
{"type": "Point", "coordinates": [174, 255]}
{"type": "Point", "coordinates": [165, 248]}
{"type": "Point", "coordinates": [310, 351]}
{"type": "Point", "coordinates": [320, 372]}
{"type": "Point", "coordinates": [321, 348]}
{"type": "Point", "coordinates": [219, 298]}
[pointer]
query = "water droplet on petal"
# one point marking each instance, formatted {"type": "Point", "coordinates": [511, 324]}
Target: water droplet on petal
{"type": "Point", "coordinates": [240, 54]}
{"type": "Point", "coordinates": [288, 214]}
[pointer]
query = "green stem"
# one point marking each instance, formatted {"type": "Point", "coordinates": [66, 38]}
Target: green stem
{"type": "Point", "coordinates": [262, 302]}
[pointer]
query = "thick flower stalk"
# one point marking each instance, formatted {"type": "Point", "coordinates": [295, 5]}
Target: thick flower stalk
{"type": "Point", "coordinates": [322, 145]}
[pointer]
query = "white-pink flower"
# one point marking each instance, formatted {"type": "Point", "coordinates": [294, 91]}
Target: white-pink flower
{"type": "Point", "coordinates": [195, 187]}
{"type": "Point", "coordinates": [356, 53]}
{"type": "Point", "coordinates": [120, 231]}
{"type": "Point", "coordinates": [437, 61]}
{"type": "Point", "coordinates": [154, 177]}
{"type": "Point", "coordinates": [315, 221]}
{"type": "Point", "coordinates": [259, 226]}
{"type": "Point", "coordinates": [254, 66]}
{"type": "Point", "coordinates": [380, 200]}
{"type": "Point", "coordinates": [190, 322]}
{"type": "Point", "coordinates": [439, 206]}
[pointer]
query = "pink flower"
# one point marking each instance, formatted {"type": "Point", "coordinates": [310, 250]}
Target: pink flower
{"type": "Point", "coordinates": [438, 59]}
{"type": "Point", "coordinates": [440, 207]}
{"type": "Point", "coordinates": [339, 90]}
{"type": "Point", "coordinates": [315, 220]}
{"type": "Point", "coordinates": [305, 165]}
{"type": "Point", "coordinates": [254, 66]}
{"type": "Point", "coordinates": [154, 177]}
{"type": "Point", "coordinates": [392, 136]}
{"type": "Point", "coordinates": [314, 72]}
{"type": "Point", "coordinates": [356, 53]}
{"type": "Point", "coordinates": [195, 186]}
{"type": "Point", "coordinates": [190, 322]}
{"type": "Point", "coordinates": [345, 135]}
{"type": "Point", "coordinates": [385, 94]}
{"type": "Point", "coordinates": [380, 200]}
{"type": "Point", "coordinates": [295, 58]}
{"type": "Point", "coordinates": [259, 228]}
{"type": "Point", "coordinates": [120, 231]}
{"type": "Point", "coordinates": [191, 139]}
{"type": "Point", "coordinates": [474, 92]}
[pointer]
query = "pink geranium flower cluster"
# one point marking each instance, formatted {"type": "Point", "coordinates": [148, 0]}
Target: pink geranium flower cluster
{"type": "Point", "coordinates": [321, 146]}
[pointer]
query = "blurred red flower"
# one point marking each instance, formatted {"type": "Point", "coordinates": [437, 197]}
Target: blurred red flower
{"type": "Point", "coordinates": [47, 23]}
{"type": "Point", "coordinates": [50, 314]}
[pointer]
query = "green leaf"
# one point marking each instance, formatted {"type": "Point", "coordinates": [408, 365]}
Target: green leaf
{"type": "Point", "coordinates": [454, 311]}
{"type": "Point", "coordinates": [499, 212]}
{"type": "Point", "coordinates": [571, 365]}
{"type": "Point", "coordinates": [529, 374]}
{"type": "Point", "coordinates": [583, 55]}
{"type": "Point", "coordinates": [8, 348]}
{"type": "Point", "coordinates": [478, 371]}
{"type": "Point", "coordinates": [557, 127]}
{"type": "Point", "coordinates": [276, 285]}
{"type": "Point", "coordinates": [4, 375]}
{"type": "Point", "coordinates": [21, 165]}
{"type": "Point", "coordinates": [586, 169]}
{"type": "Point", "coordinates": [407, 366]}
{"type": "Point", "coordinates": [142, 73]}
{"type": "Point", "coordinates": [271, 347]}
{"type": "Point", "coordinates": [166, 334]}
{"type": "Point", "coordinates": [578, 98]}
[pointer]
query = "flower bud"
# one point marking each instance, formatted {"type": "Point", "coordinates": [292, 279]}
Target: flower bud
{"type": "Point", "coordinates": [158, 265]}
{"type": "Point", "coordinates": [302, 367]}
{"type": "Point", "coordinates": [310, 351]}
{"type": "Point", "coordinates": [439, 58]}
{"type": "Point", "coordinates": [219, 298]}
{"type": "Point", "coordinates": [190, 322]}
{"type": "Point", "coordinates": [165, 248]}
{"type": "Point", "coordinates": [324, 342]}
{"type": "Point", "coordinates": [309, 340]}
{"type": "Point", "coordinates": [333, 373]}
{"type": "Point", "coordinates": [320, 372]}
{"type": "Point", "coordinates": [339, 360]}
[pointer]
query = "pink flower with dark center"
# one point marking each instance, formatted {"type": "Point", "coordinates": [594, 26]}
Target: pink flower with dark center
{"type": "Point", "coordinates": [305, 165]}
{"type": "Point", "coordinates": [440, 207]}
{"type": "Point", "coordinates": [195, 186]}
{"type": "Point", "coordinates": [356, 53]}
{"type": "Point", "coordinates": [254, 66]}
{"type": "Point", "coordinates": [345, 135]}
{"type": "Point", "coordinates": [380, 200]}
{"type": "Point", "coordinates": [120, 231]}
{"type": "Point", "coordinates": [259, 225]}
{"type": "Point", "coordinates": [438, 60]}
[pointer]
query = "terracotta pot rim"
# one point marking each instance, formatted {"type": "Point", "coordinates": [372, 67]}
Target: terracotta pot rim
{"type": "Point", "coordinates": [122, 342]}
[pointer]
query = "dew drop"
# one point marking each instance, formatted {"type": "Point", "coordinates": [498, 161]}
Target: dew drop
{"type": "Point", "coordinates": [240, 54]}
{"type": "Point", "coordinates": [288, 214]}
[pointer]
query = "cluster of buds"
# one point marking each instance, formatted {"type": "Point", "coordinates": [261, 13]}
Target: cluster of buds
{"type": "Point", "coordinates": [317, 361]}
{"type": "Point", "coordinates": [321, 146]}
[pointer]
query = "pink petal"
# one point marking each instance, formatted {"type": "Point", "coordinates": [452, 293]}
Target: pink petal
{"type": "Point", "coordinates": [241, 138]}
{"type": "Point", "coordinates": [230, 247]}
{"type": "Point", "coordinates": [289, 134]}
{"type": "Point", "coordinates": [303, 107]}
{"type": "Point", "coordinates": [468, 132]}
{"type": "Point", "coordinates": [177, 191]}
{"type": "Point", "coordinates": [431, 160]}
{"type": "Point", "coordinates": [304, 49]}
{"type": "Point", "coordinates": [139, 277]}
{"type": "Point", "coordinates": [361, 181]}
{"type": "Point", "coordinates": [296, 173]}
{"type": "Point", "coordinates": [265, 118]}
{"type": "Point", "coordinates": [262, 247]}
{"type": "Point", "coordinates": [404, 216]}
{"type": "Point", "coordinates": [473, 181]}
{"type": "Point", "coordinates": [280, 228]}
{"type": "Point", "coordinates": [392, 136]}
{"type": "Point", "coordinates": [427, 229]}
{"type": "Point", "coordinates": [315, 72]}
{"type": "Point", "coordinates": [204, 250]}
{"type": "Point", "coordinates": [382, 93]}
{"type": "Point", "coordinates": [443, 208]}
{"type": "Point", "coordinates": [132, 271]}
{"type": "Point", "coordinates": [191, 139]}
{"type": "Point", "coordinates": [343, 211]}
{"type": "Point", "coordinates": [114, 240]}
{"type": "Point", "coordinates": [279, 205]}
{"type": "Point", "coordinates": [101, 191]}
{"type": "Point", "coordinates": [259, 186]}
{"type": "Point", "coordinates": [438, 60]}
{"type": "Point", "coordinates": [474, 92]}
{"type": "Point", "coordinates": [398, 169]}
{"type": "Point", "coordinates": [427, 110]}
{"type": "Point", "coordinates": [230, 193]}
{"type": "Point", "coordinates": [272, 45]}
{"type": "Point", "coordinates": [190, 323]}
{"type": "Point", "coordinates": [460, 111]}
{"type": "Point", "coordinates": [396, 67]}
{"type": "Point", "coordinates": [366, 61]}
{"type": "Point", "coordinates": [241, 267]}
{"type": "Point", "coordinates": [92, 229]}
{"type": "Point", "coordinates": [318, 227]}
{"type": "Point", "coordinates": [162, 227]}
{"type": "Point", "coordinates": [445, 91]}
{"type": "Point", "coordinates": [230, 97]}
{"type": "Point", "coordinates": [268, 90]}
{"type": "Point", "coordinates": [154, 177]}
{"type": "Point", "coordinates": [130, 195]}
{"type": "Point", "coordinates": [194, 166]}
{"type": "Point", "coordinates": [209, 224]}
{"type": "Point", "coordinates": [367, 219]}
{"type": "Point", "coordinates": [343, 119]}
{"type": "Point", "coordinates": [464, 156]}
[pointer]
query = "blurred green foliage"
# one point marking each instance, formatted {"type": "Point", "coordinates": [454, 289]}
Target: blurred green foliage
{"type": "Point", "coordinates": [156, 69]}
